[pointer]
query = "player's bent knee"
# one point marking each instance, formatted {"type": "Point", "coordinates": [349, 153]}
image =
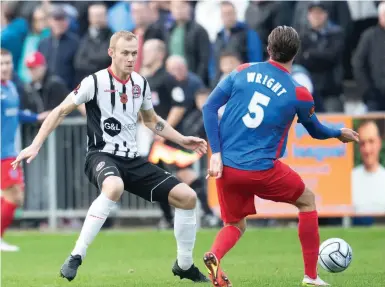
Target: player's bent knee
{"type": "Point", "coordinates": [183, 197]}
{"type": "Point", "coordinates": [113, 187]}
{"type": "Point", "coordinates": [306, 202]}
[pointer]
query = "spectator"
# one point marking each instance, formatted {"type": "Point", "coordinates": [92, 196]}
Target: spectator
{"type": "Point", "coordinates": [189, 81]}
{"type": "Point", "coordinates": [92, 53]}
{"type": "Point", "coordinates": [236, 37]}
{"type": "Point", "coordinates": [338, 11]}
{"type": "Point", "coordinates": [364, 15]}
{"type": "Point", "coordinates": [369, 62]}
{"type": "Point", "coordinates": [119, 17]}
{"type": "Point", "coordinates": [59, 49]}
{"type": "Point", "coordinates": [161, 14]}
{"type": "Point", "coordinates": [145, 28]}
{"type": "Point", "coordinates": [13, 30]}
{"type": "Point", "coordinates": [264, 16]}
{"type": "Point", "coordinates": [38, 31]}
{"type": "Point", "coordinates": [189, 40]}
{"type": "Point", "coordinates": [209, 9]}
{"type": "Point", "coordinates": [321, 54]}
{"type": "Point", "coordinates": [191, 84]}
{"type": "Point", "coordinates": [228, 61]}
{"type": "Point", "coordinates": [46, 91]}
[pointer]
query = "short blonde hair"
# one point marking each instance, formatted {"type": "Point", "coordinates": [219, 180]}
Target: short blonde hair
{"type": "Point", "coordinates": [127, 35]}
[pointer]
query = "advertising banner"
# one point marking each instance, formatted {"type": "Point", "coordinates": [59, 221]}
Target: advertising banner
{"type": "Point", "coordinates": [328, 169]}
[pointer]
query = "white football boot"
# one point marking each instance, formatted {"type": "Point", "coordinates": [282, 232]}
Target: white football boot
{"type": "Point", "coordinates": [4, 246]}
{"type": "Point", "coordinates": [307, 281]}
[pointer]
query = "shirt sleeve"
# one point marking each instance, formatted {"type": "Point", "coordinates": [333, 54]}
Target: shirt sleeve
{"type": "Point", "coordinates": [306, 115]}
{"type": "Point", "coordinates": [27, 116]}
{"type": "Point", "coordinates": [217, 99]}
{"type": "Point", "coordinates": [84, 92]}
{"type": "Point", "coordinates": [147, 101]}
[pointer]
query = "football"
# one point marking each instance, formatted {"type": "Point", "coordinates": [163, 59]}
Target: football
{"type": "Point", "coordinates": [335, 255]}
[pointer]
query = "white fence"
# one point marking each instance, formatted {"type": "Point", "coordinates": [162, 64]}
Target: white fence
{"type": "Point", "coordinates": [56, 186]}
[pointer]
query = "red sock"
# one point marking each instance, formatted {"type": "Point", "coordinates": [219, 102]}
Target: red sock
{"type": "Point", "coordinates": [309, 237]}
{"type": "Point", "coordinates": [7, 213]}
{"type": "Point", "coordinates": [226, 238]}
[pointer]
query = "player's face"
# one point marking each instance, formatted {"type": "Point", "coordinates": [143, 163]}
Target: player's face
{"type": "Point", "coordinates": [124, 54]}
{"type": "Point", "coordinates": [229, 16]}
{"type": "Point", "coordinates": [370, 144]}
{"type": "Point", "coordinates": [6, 67]}
{"type": "Point", "coordinates": [317, 17]}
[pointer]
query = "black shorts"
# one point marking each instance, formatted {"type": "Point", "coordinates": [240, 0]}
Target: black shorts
{"type": "Point", "coordinates": [139, 176]}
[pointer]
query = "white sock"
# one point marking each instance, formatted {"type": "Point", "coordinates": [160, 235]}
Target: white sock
{"type": "Point", "coordinates": [185, 233]}
{"type": "Point", "coordinates": [96, 216]}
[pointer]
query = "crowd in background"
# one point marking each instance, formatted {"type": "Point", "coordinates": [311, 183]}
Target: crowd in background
{"type": "Point", "coordinates": [193, 45]}
{"type": "Point", "coordinates": [55, 44]}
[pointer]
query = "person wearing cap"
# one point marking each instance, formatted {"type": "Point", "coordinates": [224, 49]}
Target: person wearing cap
{"type": "Point", "coordinates": [322, 46]}
{"type": "Point", "coordinates": [60, 48]}
{"type": "Point", "coordinates": [46, 91]}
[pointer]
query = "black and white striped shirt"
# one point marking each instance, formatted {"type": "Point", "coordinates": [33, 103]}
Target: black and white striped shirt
{"type": "Point", "coordinates": [112, 107]}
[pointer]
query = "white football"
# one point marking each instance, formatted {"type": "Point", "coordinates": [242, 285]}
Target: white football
{"type": "Point", "coordinates": [335, 255]}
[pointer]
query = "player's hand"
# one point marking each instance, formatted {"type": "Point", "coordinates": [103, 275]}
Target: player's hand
{"type": "Point", "coordinates": [348, 135]}
{"type": "Point", "coordinates": [216, 166]}
{"type": "Point", "coordinates": [28, 153]}
{"type": "Point", "coordinates": [195, 144]}
{"type": "Point", "coordinates": [42, 116]}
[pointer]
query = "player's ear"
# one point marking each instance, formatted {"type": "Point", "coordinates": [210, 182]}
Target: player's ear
{"type": "Point", "coordinates": [110, 52]}
{"type": "Point", "coordinates": [268, 50]}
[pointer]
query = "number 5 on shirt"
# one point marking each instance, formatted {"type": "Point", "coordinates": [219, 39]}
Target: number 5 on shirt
{"type": "Point", "coordinates": [255, 107]}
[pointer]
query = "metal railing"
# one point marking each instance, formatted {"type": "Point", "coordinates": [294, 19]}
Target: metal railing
{"type": "Point", "coordinates": [56, 185]}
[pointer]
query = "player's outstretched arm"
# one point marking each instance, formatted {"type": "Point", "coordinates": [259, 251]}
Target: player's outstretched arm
{"type": "Point", "coordinates": [83, 93]}
{"type": "Point", "coordinates": [160, 127]}
{"type": "Point", "coordinates": [51, 122]}
{"type": "Point", "coordinates": [306, 116]}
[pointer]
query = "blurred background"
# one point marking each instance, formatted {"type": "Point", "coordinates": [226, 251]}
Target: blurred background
{"type": "Point", "coordinates": [55, 44]}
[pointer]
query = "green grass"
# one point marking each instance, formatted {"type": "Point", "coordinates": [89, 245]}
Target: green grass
{"type": "Point", "coordinates": [263, 257]}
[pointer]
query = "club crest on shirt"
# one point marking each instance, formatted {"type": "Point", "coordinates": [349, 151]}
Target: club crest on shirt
{"type": "Point", "coordinates": [123, 98]}
{"type": "Point", "coordinates": [77, 89]}
{"type": "Point", "coordinates": [100, 165]}
{"type": "Point", "coordinates": [136, 91]}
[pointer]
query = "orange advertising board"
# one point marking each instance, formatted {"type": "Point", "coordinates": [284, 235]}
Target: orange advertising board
{"type": "Point", "coordinates": [324, 165]}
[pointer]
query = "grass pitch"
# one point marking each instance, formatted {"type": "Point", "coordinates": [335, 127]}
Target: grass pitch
{"type": "Point", "coordinates": [263, 257]}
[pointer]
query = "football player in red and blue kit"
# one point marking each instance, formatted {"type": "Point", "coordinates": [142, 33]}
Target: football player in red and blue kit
{"type": "Point", "coordinates": [262, 100]}
{"type": "Point", "coordinates": [12, 181]}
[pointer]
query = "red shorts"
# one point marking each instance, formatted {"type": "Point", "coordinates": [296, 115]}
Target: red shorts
{"type": "Point", "coordinates": [237, 188]}
{"type": "Point", "coordinates": [9, 176]}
